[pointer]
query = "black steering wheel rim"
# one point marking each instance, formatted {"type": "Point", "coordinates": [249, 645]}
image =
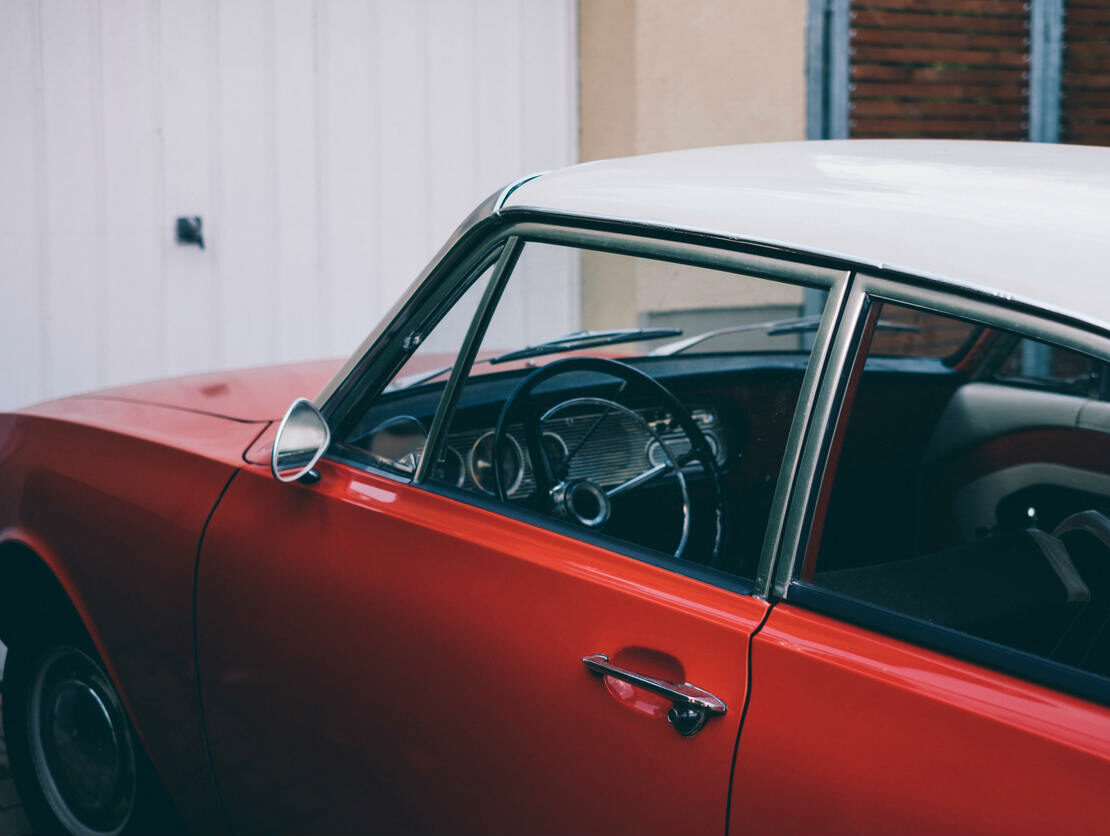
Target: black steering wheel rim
{"type": "Point", "coordinates": [632, 376]}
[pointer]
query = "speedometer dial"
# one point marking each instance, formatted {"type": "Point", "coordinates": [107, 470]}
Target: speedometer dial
{"type": "Point", "coordinates": [480, 464]}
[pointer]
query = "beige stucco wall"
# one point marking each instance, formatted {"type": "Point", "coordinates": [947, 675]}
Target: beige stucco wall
{"type": "Point", "coordinates": [659, 75]}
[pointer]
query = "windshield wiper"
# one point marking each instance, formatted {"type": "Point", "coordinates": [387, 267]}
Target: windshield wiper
{"type": "Point", "coordinates": [579, 339]}
{"type": "Point", "coordinates": [592, 339]}
{"type": "Point", "coordinates": [772, 328]}
{"type": "Point", "coordinates": [680, 346]}
{"type": "Point", "coordinates": [587, 339]}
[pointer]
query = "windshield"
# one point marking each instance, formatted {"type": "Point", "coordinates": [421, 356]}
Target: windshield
{"type": "Point", "coordinates": [565, 301]}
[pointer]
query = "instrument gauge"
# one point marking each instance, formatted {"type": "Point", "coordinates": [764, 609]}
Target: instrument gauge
{"type": "Point", "coordinates": [480, 464]}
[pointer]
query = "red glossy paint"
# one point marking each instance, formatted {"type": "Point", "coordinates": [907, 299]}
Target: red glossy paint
{"type": "Point", "coordinates": [848, 731]}
{"type": "Point", "coordinates": [378, 657]}
{"type": "Point", "coordinates": [260, 394]}
{"type": "Point", "coordinates": [112, 496]}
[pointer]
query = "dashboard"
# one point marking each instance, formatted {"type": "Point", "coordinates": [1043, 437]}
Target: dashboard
{"type": "Point", "coordinates": [602, 446]}
{"type": "Point", "coordinates": [743, 403]}
{"type": "Point", "coordinates": [606, 449]}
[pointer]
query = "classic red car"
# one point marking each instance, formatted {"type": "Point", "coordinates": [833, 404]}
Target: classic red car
{"type": "Point", "coordinates": [755, 489]}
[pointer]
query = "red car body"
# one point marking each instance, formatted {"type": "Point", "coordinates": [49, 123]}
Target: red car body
{"type": "Point", "coordinates": [929, 742]}
{"type": "Point", "coordinates": [359, 653]}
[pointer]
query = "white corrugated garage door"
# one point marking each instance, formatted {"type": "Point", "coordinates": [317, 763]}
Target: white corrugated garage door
{"type": "Point", "coordinates": [329, 147]}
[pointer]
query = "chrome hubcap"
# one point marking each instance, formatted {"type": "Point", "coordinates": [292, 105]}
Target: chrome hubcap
{"type": "Point", "coordinates": [81, 744]}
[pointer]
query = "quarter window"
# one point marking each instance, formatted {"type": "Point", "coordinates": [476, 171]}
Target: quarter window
{"type": "Point", "coordinates": [393, 431]}
{"type": "Point", "coordinates": [969, 501]}
{"type": "Point", "coordinates": [1038, 365]}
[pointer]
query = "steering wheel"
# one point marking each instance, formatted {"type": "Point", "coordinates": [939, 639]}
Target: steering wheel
{"type": "Point", "coordinates": [581, 500]}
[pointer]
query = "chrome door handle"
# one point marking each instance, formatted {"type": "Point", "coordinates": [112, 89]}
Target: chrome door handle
{"type": "Point", "coordinates": [692, 706]}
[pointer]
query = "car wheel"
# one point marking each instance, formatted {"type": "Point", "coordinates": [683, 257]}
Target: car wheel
{"type": "Point", "coordinates": [75, 758]}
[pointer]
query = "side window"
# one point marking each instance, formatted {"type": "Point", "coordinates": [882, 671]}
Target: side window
{"type": "Point", "coordinates": [968, 501]}
{"type": "Point", "coordinates": [635, 399]}
{"type": "Point", "coordinates": [1038, 365]}
{"type": "Point", "coordinates": [906, 332]}
{"type": "Point", "coordinates": [394, 430]}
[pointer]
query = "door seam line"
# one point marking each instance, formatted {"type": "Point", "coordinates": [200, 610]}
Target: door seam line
{"type": "Point", "coordinates": [743, 716]}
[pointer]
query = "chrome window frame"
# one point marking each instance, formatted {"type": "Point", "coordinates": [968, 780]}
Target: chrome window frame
{"type": "Point", "coordinates": [927, 295]}
{"type": "Point", "coordinates": [371, 367]}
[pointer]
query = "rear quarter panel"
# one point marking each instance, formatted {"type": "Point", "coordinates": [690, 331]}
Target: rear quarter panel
{"type": "Point", "coordinates": [851, 732]}
{"type": "Point", "coordinates": [113, 497]}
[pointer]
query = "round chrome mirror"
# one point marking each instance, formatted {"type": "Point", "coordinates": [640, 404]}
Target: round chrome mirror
{"type": "Point", "coordinates": [302, 437]}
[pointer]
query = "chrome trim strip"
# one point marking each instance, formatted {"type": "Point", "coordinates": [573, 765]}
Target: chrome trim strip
{"type": "Point", "coordinates": [437, 435]}
{"type": "Point", "coordinates": [951, 302]}
{"type": "Point", "coordinates": [513, 186]}
{"type": "Point", "coordinates": [804, 415]}
{"type": "Point", "coordinates": [774, 265]}
{"type": "Point", "coordinates": [810, 453]}
{"type": "Point", "coordinates": [791, 251]}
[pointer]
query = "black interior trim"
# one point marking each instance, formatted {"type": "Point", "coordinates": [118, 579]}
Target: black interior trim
{"type": "Point", "coordinates": [998, 657]}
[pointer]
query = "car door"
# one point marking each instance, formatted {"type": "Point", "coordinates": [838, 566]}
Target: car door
{"type": "Point", "coordinates": [919, 675]}
{"type": "Point", "coordinates": [382, 653]}
{"type": "Point", "coordinates": [377, 657]}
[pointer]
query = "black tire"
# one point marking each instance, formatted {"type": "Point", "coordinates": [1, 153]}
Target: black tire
{"type": "Point", "coordinates": [77, 762]}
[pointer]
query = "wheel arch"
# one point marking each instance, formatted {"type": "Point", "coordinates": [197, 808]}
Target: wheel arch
{"type": "Point", "coordinates": [32, 578]}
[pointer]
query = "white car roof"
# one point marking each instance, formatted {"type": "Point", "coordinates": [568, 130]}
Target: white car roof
{"type": "Point", "coordinates": [1021, 220]}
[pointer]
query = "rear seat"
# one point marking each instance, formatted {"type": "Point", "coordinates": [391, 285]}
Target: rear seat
{"type": "Point", "coordinates": [1086, 644]}
{"type": "Point", "coordinates": [1021, 588]}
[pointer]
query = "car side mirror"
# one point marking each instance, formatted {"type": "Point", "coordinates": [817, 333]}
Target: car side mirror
{"type": "Point", "coordinates": [302, 437]}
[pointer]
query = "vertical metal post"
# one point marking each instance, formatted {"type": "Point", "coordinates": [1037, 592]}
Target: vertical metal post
{"type": "Point", "coordinates": [827, 70]}
{"type": "Point", "coordinates": [1046, 65]}
{"type": "Point", "coordinates": [816, 70]}
{"type": "Point", "coordinates": [839, 70]}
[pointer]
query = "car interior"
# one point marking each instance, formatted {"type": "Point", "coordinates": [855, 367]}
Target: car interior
{"type": "Point", "coordinates": [972, 491]}
{"type": "Point", "coordinates": [968, 479]}
{"type": "Point", "coordinates": [742, 405]}
{"type": "Point", "coordinates": [661, 428]}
